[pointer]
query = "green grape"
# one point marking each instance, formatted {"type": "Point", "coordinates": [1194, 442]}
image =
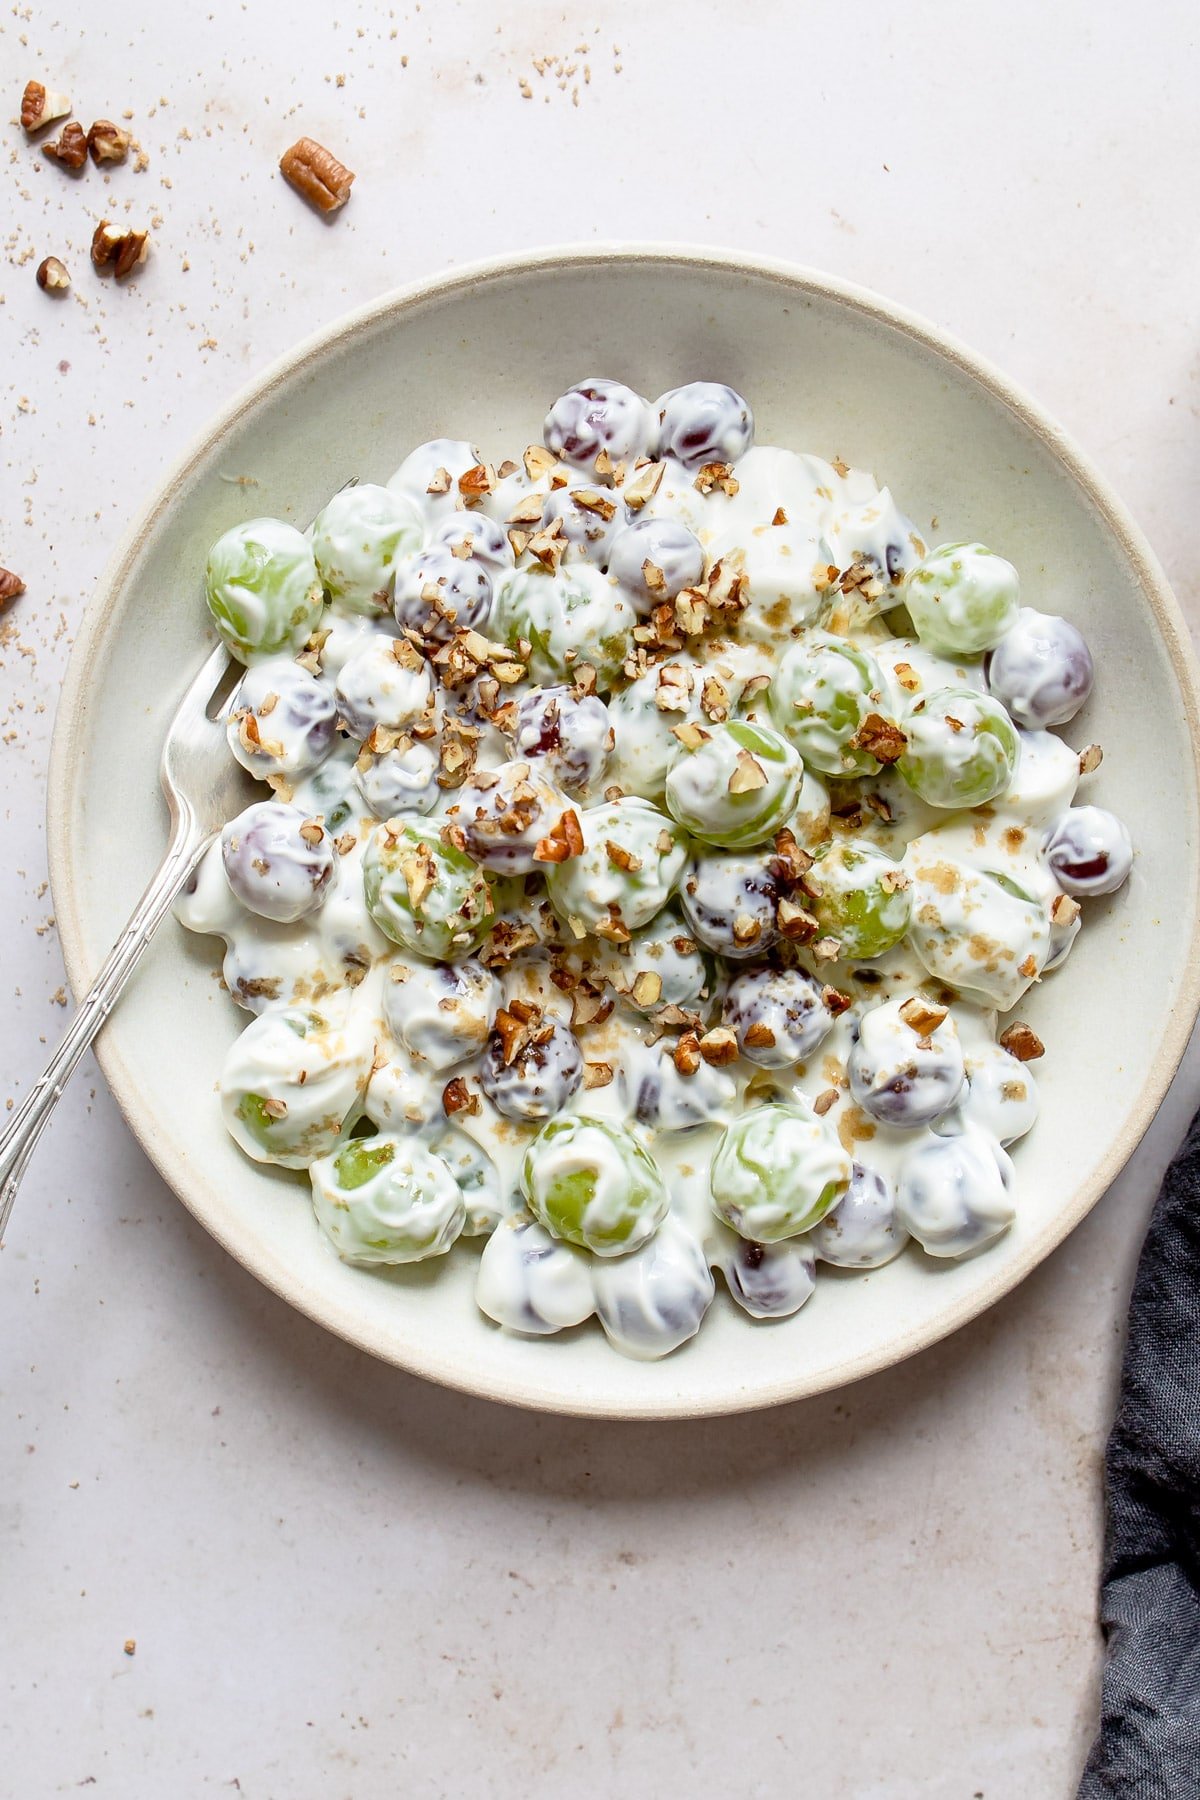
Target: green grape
{"type": "Point", "coordinates": [823, 691]}
{"type": "Point", "coordinates": [357, 540]}
{"type": "Point", "coordinates": [571, 616]}
{"type": "Point", "coordinates": [737, 787]}
{"type": "Point", "coordinates": [263, 589]}
{"type": "Point", "coordinates": [864, 900]}
{"type": "Point", "coordinates": [424, 893]}
{"type": "Point", "coordinates": [962, 748]}
{"type": "Point", "coordinates": [594, 1184]}
{"type": "Point", "coordinates": [291, 1084]}
{"type": "Point", "coordinates": [387, 1200]}
{"type": "Point", "coordinates": [962, 599]}
{"type": "Point", "coordinates": [632, 858]}
{"type": "Point", "coordinates": [777, 1172]}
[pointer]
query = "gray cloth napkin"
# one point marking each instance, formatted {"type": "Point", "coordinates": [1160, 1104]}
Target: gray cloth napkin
{"type": "Point", "coordinates": [1148, 1746]}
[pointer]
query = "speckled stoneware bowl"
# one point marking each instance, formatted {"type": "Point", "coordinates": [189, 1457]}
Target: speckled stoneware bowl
{"type": "Point", "coordinates": [479, 354]}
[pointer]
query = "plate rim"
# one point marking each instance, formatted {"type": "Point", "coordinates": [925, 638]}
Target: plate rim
{"type": "Point", "coordinates": [175, 1167]}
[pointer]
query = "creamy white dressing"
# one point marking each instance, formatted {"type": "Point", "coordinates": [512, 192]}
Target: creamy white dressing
{"type": "Point", "coordinates": [904, 1128]}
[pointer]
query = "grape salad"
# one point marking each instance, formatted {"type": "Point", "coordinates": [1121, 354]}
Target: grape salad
{"type": "Point", "coordinates": [655, 837]}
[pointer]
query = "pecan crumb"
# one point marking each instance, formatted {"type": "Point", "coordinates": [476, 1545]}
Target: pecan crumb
{"type": "Point", "coordinates": [562, 842]}
{"type": "Point", "coordinates": [39, 107]}
{"type": "Point", "coordinates": [70, 150]}
{"type": "Point", "coordinates": [748, 774]}
{"type": "Point", "coordinates": [834, 1001]}
{"type": "Point", "coordinates": [458, 1097]}
{"type": "Point", "coordinates": [1022, 1042]}
{"type": "Point", "coordinates": [1090, 759]}
{"type": "Point", "coordinates": [107, 142]}
{"type": "Point", "coordinates": [719, 1046]}
{"type": "Point", "coordinates": [716, 474]}
{"type": "Point", "coordinates": [881, 738]}
{"type": "Point", "coordinates": [11, 587]}
{"type": "Point", "coordinates": [922, 1017]}
{"type": "Point", "coordinates": [647, 988]}
{"type": "Point", "coordinates": [52, 276]}
{"type": "Point", "coordinates": [824, 1100]}
{"type": "Point", "coordinates": [316, 174]}
{"type": "Point", "coordinates": [1064, 911]}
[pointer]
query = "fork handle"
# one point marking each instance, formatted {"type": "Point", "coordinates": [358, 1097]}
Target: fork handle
{"type": "Point", "coordinates": [28, 1122]}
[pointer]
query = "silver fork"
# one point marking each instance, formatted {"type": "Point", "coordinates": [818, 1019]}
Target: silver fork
{"type": "Point", "coordinates": [197, 775]}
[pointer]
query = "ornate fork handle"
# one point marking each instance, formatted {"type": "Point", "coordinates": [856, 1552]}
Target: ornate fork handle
{"type": "Point", "coordinates": [28, 1122]}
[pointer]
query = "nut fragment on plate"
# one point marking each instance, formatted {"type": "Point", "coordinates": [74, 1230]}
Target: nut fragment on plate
{"type": "Point", "coordinates": [70, 148]}
{"type": "Point", "coordinates": [1022, 1042]}
{"type": "Point", "coordinates": [316, 174]}
{"type": "Point", "coordinates": [119, 247]}
{"type": "Point", "coordinates": [107, 142]}
{"type": "Point", "coordinates": [11, 587]}
{"type": "Point", "coordinates": [39, 107]}
{"type": "Point", "coordinates": [52, 276]}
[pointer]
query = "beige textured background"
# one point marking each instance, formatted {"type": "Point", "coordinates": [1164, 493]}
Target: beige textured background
{"type": "Point", "coordinates": [344, 1584]}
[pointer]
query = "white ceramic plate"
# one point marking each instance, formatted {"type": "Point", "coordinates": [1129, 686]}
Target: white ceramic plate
{"type": "Point", "coordinates": [479, 354]}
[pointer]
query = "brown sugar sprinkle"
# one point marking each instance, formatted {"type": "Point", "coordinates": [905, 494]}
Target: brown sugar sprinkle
{"type": "Point", "coordinates": [457, 1097]}
{"type": "Point", "coordinates": [921, 1017]}
{"type": "Point", "coordinates": [1022, 1042]}
{"type": "Point", "coordinates": [597, 1074]}
{"type": "Point", "coordinates": [317, 175]}
{"type": "Point", "coordinates": [824, 1100]}
{"type": "Point", "coordinates": [881, 738]}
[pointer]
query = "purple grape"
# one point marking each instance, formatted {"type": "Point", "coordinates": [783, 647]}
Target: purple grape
{"type": "Point", "coordinates": [704, 422]}
{"type": "Point", "coordinates": [778, 1015]}
{"type": "Point", "coordinates": [1041, 670]}
{"type": "Point", "coordinates": [271, 864]}
{"type": "Point", "coordinates": [541, 1077]}
{"type": "Point", "coordinates": [570, 732]}
{"type": "Point", "coordinates": [1089, 852]}
{"type": "Point", "coordinates": [729, 900]}
{"type": "Point", "coordinates": [438, 593]}
{"type": "Point", "coordinates": [669, 547]}
{"type": "Point", "coordinates": [599, 414]}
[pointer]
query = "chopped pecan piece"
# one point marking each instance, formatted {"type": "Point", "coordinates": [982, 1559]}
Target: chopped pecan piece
{"type": "Point", "coordinates": [621, 858]}
{"type": "Point", "coordinates": [1064, 911]}
{"type": "Point", "coordinates": [1022, 1042]}
{"type": "Point", "coordinates": [11, 587]}
{"type": "Point", "coordinates": [107, 142]}
{"type": "Point", "coordinates": [719, 1046]}
{"type": "Point", "coordinates": [643, 486]}
{"type": "Point", "coordinates": [690, 736]}
{"type": "Point", "coordinates": [795, 922]}
{"type": "Point", "coordinates": [908, 678]}
{"type": "Point", "coordinates": [118, 247]}
{"type": "Point", "coordinates": [1090, 759]}
{"type": "Point", "coordinates": [71, 149]}
{"type": "Point", "coordinates": [39, 107]}
{"type": "Point", "coordinates": [748, 774]}
{"type": "Point", "coordinates": [563, 841]}
{"type": "Point", "coordinates": [881, 738]}
{"type": "Point", "coordinates": [647, 988]}
{"type": "Point", "coordinates": [759, 1036]}
{"type": "Point", "coordinates": [834, 1001]}
{"type": "Point", "coordinates": [538, 462]}
{"type": "Point", "coordinates": [52, 276]}
{"type": "Point", "coordinates": [457, 1097]}
{"type": "Point", "coordinates": [593, 501]}
{"type": "Point", "coordinates": [825, 1099]}
{"type": "Point", "coordinates": [686, 1055]}
{"type": "Point", "coordinates": [476, 483]}
{"type": "Point", "coordinates": [316, 174]}
{"type": "Point", "coordinates": [922, 1017]}
{"type": "Point", "coordinates": [597, 1074]}
{"type": "Point", "coordinates": [716, 474]}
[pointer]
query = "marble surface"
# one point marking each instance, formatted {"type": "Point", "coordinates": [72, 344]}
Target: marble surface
{"type": "Point", "coordinates": [239, 1557]}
